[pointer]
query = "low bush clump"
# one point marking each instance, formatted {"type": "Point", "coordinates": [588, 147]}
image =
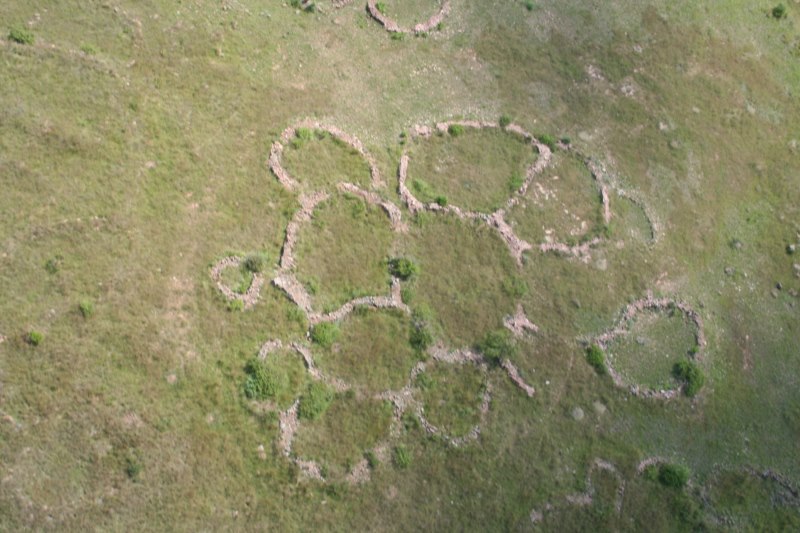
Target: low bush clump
{"type": "Point", "coordinates": [86, 308]}
{"type": "Point", "coordinates": [402, 457]}
{"type": "Point", "coordinates": [421, 336]}
{"type": "Point", "coordinates": [133, 467]}
{"type": "Point", "coordinates": [505, 120]}
{"type": "Point", "coordinates": [548, 140]}
{"type": "Point", "coordinates": [34, 338]}
{"type": "Point", "coordinates": [260, 383]}
{"type": "Point", "coordinates": [529, 5]}
{"type": "Point", "coordinates": [21, 35]}
{"type": "Point", "coordinates": [597, 358]}
{"type": "Point", "coordinates": [455, 129]}
{"type": "Point", "coordinates": [403, 268]}
{"type": "Point", "coordinates": [497, 345]}
{"type": "Point", "coordinates": [691, 376]}
{"type": "Point", "coordinates": [254, 262]}
{"type": "Point", "coordinates": [325, 334]}
{"type": "Point", "coordinates": [441, 200]}
{"type": "Point", "coordinates": [673, 476]}
{"type": "Point", "coordinates": [779, 11]}
{"type": "Point", "coordinates": [315, 401]}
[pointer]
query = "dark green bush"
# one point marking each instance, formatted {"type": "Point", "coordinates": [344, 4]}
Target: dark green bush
{"type": "Point", "coordinates": [515, 287]}
{"type": "Point", "coordinates": [597, 358]}
{"type": "Point", "coordinates": [691, 376]}
{"type": "Point", "coordinates": [260, 383]}
{"type": "Point", "coordinates": [21, 35]}
{"type": "Point", "coordinates": [402, 457]}
{"type": "Point", "coordinates": [315, 401]}
{"type": "Point", "coordinates": [403, 268]}
{"type": "Point", "coordinates": [497, 345]}
{"type": "Point", "coordinates": [441, 200]}
{"type": "Point", "coordinates": [529, 5]}
{"type": "Point", "coordinates": [548, 140]}
{"type": "Point", "coordinates": [505, 120]}
{"type": "Point", "coordinates": [673, 476]}
{"type": "Point", "coordinates": [254, 262]}
{"type": "Point", "coordinates": [779, 11]}
{"type": "Point", "coordinates": [455, 129]}
{"type": "Point", "coordinates": [86, 308]}
{"type": "Point", "coordinates": [325, 334]}
{"type": "Point", "coordinates": [34, 338]}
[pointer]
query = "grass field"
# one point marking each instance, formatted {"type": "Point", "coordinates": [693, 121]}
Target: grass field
{"type": "Point", "coordinates": [134, 142]}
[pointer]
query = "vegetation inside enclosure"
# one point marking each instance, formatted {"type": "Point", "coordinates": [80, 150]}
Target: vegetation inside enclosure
{"type": "Point", "coordinates": [135, 144]}
{"type": "Point", "coordinates": [409, 13]}
{"type": "Point", "coordinates": [372, 351]}
{"type": "Point", "coordinates": [452, 396]}
{"type": "Point", "coordinates": [341, 253]}
{"type": "Point", "coordinates": [339, 439]}
{"type": "Point", "coordinates": [655, 342]}
{"type": "Point", "coordinates": [461, 282]}
{"type": "Point", "coordinates": [475, 169]}
{"type": "Point", "coordinates": [562, 204]}
{"type": "Point", "coordinates": [319, 161]}
{"type": "Point", "coordinates": [278, 378]}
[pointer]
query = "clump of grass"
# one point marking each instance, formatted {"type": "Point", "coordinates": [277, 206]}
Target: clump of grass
{"type": "Point", "coordinates": [86, 308]}
{"type": "Point", "coordinates": [547, 140]}
{"type": "Point", "coordinates": [260, 383]}
{"type": "Point", "coordinates": [34, 338]}
{"type": "Point", "coordinates": [372, 459]}
{"type": "Point", "coordinates": [455, 129]}
{"type": "Point", "coordinates": [21, 35]}
{"type": "Point", "coordinates": [497, 345]}
{"type": "Point", "coordinates": [441, 200]}
{"type": "Point", "coordinates": [53, 264]}
{"type": "Point", "coordinates": [325, 334]}
{"type": "Point", "coordinates": [505, 120]}
{"type": "Point", "coordinates": [315, 401]}
{"type": "Point", "coordinates": [235, 305]}
{"type": "Point", "coordinates": [397, 36]}
{"type": "Point", "coordinates": [515, 182]}
{"type": "Point", "coordinates": [422, 333]}
{"type": "Point", "coordinates": [515, 286]}
{"type": "Point", "coordinates": [529, 5]}
{"type": "Point", "coordinates": [381, 7]}
{"type": "Point", "coordinates": [596, 357]}
{"type": "Point", "coordinates": [779, 11]}
{"type": "Point", "coordinates": [690, 374]}
{"type": "Point", "coordinates": [673, 476]}
{"type": "Point", "coordinates": [133, 467]}
{"type": "Point", "coordinates": [401, 457]}
{"type": "Point", "coordinates": [254, 262]}
{"type": "Point", "coordinates": [403, 268]}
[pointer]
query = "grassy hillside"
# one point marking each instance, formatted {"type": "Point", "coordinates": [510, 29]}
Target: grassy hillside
{"type": "Point", "coordinates": [134, 147]}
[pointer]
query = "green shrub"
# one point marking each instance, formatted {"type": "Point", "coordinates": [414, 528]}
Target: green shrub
{"type": "Point", "coordinates": [397, 36]}
{"type": "Point", "coordinates": [21, 35]}
{"type": "Point", "coordinates": [673, 476]}
{"type": "Point", "coordinates": [566, 141]}
{"type": "Point", "coordinates": [529, 5]}
{"type": "Point", "coordinates": [403, 268]}
{"type": "Point", "coordinates": [235, 305]}
{"type": "Point", "coordinates": [34, 338]}
{"type": "Point", "coordinates": [515, 287]}
{"type": "Point", "coordinates": [86, 308]}
{"type": "Point", "coordinates": [315, 401]}
{"type": "Point", "coordinates": [691, 376]}
{"type": "Point", "coordinates": [441, 200]}
{"type": "Point", "coordinates": [505, 121]}
{"type": "Point", "coordinates": [421, 336]}
{"type": "Point", "coordinates": [597, 358]}
{"type": "Point", "coordinates": [325, 334]}
{"type": "Point", "coordinates": [260, 382]}
{"type": "Point", "coordinates": [515, 182]}
{"type": "Point", "coordinates": [455, 129]}
{"type": "Point", "coordinates": [497, 345]}
{"type": "Point", "coordinates": [402, 457]}
{"type": "Point", "coordinates": [304, 134]}
{"type": "Point", "coordinates": [254, 262]}
{"type": "Point", "coordinates": [548, 140]}
{"type": "Point", "coordinates": [372, 459]}
{"type": "Point", "coordinates": [133, 467]}
{"type": "Point", "coordinates": [779, 11]}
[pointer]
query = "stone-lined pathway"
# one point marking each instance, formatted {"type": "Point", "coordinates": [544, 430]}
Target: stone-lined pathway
{"type": "Point", "coordinates": [423, 27]}
{"type": "Point", "coordinates": [621, 329]}
{"type": "Point", "coordinates": [250, 297]}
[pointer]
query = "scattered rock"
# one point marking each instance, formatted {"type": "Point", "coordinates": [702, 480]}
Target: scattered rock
{"type": "Point", "coordinates": [172, 379]}
{"type": "Point", "coordinates": [599, 408]}
{"type": "Point", "coordinates": [262, 453]}
{"type": "Point", "coordinates": [729, 271]}
{"type": "Point", "coordinates": [791, 249]}
{"type": "Point", "coordinates": [774, 293]}
{"type": "Point", "coordinates": [577, 413]}
{"type": "Point", "coordinates": [779, 286]}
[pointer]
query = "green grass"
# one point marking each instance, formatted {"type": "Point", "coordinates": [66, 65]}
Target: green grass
{"type": "Point", "coordinates": [452, 395]}
{"type": "Point", "coordinates": [472, 169]}
{"type": "Point", "coordinates": [318, 161]}
{"type": "Point", "coordinates": [280, 378]}
{"type": "Point", "coordinates": [372, 351]}
{"type": "Point", "coordinates": [339, 439]}
{"type": "Point", "coordinates": [655, 342]}
{"type": "Point", "coordinates": [342, 253]}
{"type": "Point", "coordinates": [238, 279]}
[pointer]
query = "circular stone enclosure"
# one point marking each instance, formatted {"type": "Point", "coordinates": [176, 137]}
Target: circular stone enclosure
{"type": "Point", "coordinates": [409, 16]}
{"type": "Point", "coordinates": [474, 168]}
{"type": "Point", "coordinates": [341, 252]}
{"type": "Point", "coordinates": [372, 352]}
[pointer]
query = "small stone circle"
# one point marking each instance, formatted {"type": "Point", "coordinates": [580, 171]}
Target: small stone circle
{"type": "Point", "coordinates": [620, 329]}
{"type": "Point", "coordinates": [250, 297]}
{"type": "Point", "coordinates": [423, 27]}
